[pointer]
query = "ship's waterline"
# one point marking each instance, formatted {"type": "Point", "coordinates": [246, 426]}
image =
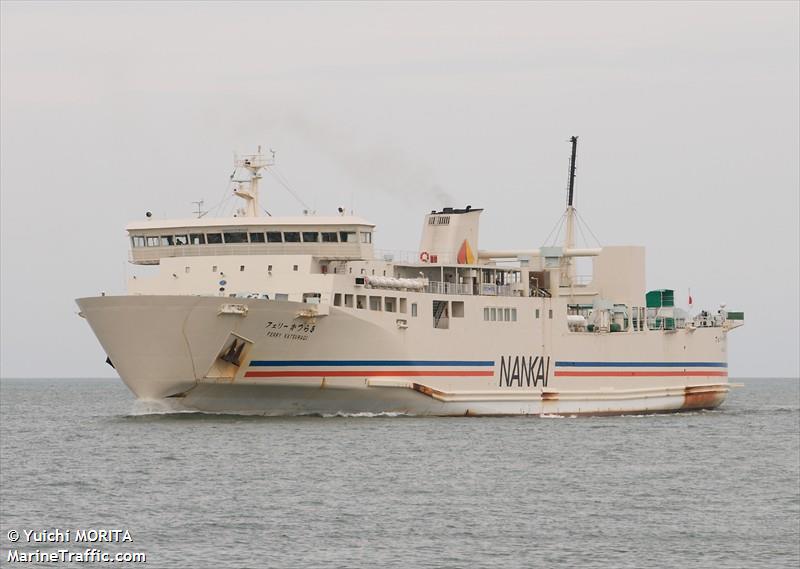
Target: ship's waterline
{"type": "Point", "coordinates": [284, 316]}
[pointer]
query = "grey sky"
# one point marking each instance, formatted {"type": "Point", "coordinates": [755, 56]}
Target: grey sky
{"type": "Point", "coordinates": [687, 115]}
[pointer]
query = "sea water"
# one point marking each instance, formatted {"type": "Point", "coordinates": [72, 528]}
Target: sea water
{"type": "Point", "coordinates": [701, 489]}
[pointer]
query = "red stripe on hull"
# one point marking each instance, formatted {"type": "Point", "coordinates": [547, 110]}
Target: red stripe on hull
{"type": "Point", "coordinates": [364, 373]}
{"type": "Point", "coordinates": [693, 373]}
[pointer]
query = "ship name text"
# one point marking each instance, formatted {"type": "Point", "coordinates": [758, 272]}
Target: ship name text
{"type": "Point", "coordinates": [516, 371]}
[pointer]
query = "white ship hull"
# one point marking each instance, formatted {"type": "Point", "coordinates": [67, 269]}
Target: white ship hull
{"type": "Point", "coordinates": [359, 361]}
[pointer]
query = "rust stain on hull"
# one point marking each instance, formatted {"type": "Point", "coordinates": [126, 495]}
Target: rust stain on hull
{"type": "Point", "coordinates": [702, 398]}
{"type": "Point", "coordinates": [429, 391]}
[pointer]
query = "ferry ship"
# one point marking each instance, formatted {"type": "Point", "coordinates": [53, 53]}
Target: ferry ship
{"type": "Point", "coordinates": [301, 315]}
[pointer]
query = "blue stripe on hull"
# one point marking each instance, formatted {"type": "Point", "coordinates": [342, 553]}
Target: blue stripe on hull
{"type": "Point", "coordinates": [641, 364]}
{"type": "Point", "coordinates": [363, 363]}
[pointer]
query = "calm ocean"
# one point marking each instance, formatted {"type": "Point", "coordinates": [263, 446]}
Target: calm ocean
{"type": "Point", "coordinates": [705, 489]}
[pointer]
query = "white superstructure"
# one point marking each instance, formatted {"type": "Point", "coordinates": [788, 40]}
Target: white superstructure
{"type": "Point", "coordinates": [285, 315]}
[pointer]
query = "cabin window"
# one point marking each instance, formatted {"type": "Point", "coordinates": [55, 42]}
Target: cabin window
{"type": "Point", "coordinates": [347, 236]}
{"type": "Point", "coordinates": [197, 239]}
{"type": "Point", "coordinates": [181, 240]}
{"type": "Point", "coordinates": [257, 237]}
{"type": "Point", "coordinates": [492, 314]}
{"type": "Point", "coordinates": [241, 268]}
{"type": "Point", "coordinates": [269, 268]}
{"type": "Point", "coordinates": [457, 307]}
{"type": "Point", "coordinates": [214, 238]}
{"type": "Point", "coordinates": [486, 314]}
{"type": "Point", "coordinates": [390, 304]}
{"type": "Point", "coordinates": [402, 307]}
{"type": "Point", "coordinates": [235, 237]}
{"type": "Point", "coordinates": [375, 303]}
{"type": "Point", "coordinates": [337, 299]}
{"type": "Point", "coordinates": [138, 241]}
{"type": "Point", "coordinates": [366, 237]}
{"type": "Point", "coordinates": [291, 236]}
{"type": "Point", "coordinates": [294, 267]}
{"type": "Point", "coordinates": [537, 313]}
{"type": "Point", "coordinates": [348, 300]}
{"type": "Point", "coordinates": [213, 268]}
{"type": "Point", "coordinates": [414, 309]}
{"type": "Point", "coordinates": [361, 301]}
{"type": "Point", "coordinates": [507, 314]}
{"type": "Point", "coordinates": [274, 237]}
{"type": "Point", "coordinates": [281, 296]}
{"type": "Point", "coordinates": [186, 269]}
{"type": "Point", "coordinates": [167, 240]}
{"type": "Point", "coordinates": [513, 314]}
{"type": "Point", "coordinates": [550, 314]}
{"type": "Point", "coordinates": [310, 236]}
{"type": "Point", "coordinates": [500, 317]}
{"type": "Point", "coordinates": [441, 317]}
{"type": "Point", "coordinates": [329, 237]}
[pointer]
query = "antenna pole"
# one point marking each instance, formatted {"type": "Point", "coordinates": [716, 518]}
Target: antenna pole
{"type": "Point", "coordinates": [571, 191]}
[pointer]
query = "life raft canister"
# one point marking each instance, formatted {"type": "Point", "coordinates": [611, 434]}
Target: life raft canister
{"type": "Point", "coordinates": [424, 256]}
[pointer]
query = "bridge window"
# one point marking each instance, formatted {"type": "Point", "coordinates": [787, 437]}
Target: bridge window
{"type": "Point", "coordinates": [291, 236]}
{"type": "Point", "coordinates": [235, 237]}
{"type": "Point", "coordinates": [330, 237]}
{"type": "Point", "coordinates": [366, 237]}
{"type": "Point", "coordinates": [347, 236]}
{"type": "Point", "coordinates": [257, 237]}
{"type": "Point", "coordinates": [167, 240]}
{"type": "Point", "coordinates": [274, 237]}
{"type": "Point", "coordinates": [138, 240]}
{"type": "Point", "coordinates": [181, 240]}
{"type": "Point", "coordinates": [310, 237]}
{"type": "Point", "coordinates": [197, 239]}
{"type": "Point", "coordinates": [214, 238]}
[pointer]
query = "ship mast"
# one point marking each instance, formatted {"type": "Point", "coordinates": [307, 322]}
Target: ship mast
{"type": "Point", "coordinates": [248, 189]}
{"type": "Point", "coordinates": [568, 267]}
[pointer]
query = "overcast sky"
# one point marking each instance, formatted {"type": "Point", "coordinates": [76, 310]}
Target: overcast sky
{"type": "Point", "coordinates": [687, 115]}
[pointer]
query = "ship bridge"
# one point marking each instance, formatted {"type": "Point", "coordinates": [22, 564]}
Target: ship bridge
{"type": "Point", "coordinates": [337, 237]}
